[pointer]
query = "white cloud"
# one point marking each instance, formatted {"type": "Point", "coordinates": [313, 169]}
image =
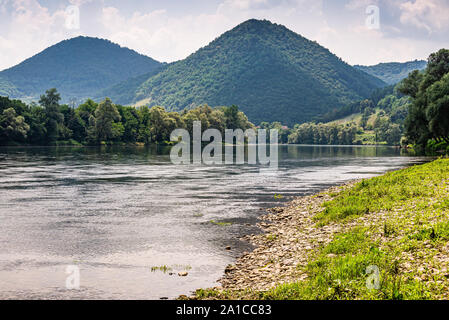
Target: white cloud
{"type": "Point", "coordinates": [26, 27]}
{"type": "Point", "coordinates": [431, 15]}
{"type": "Point", "coordinates": [31, 28]}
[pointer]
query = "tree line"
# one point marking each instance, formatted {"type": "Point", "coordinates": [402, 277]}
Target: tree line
{"type": "Point", "coordinates": [377, 120]}
{"type": "Point", "coordinates": [92, 123]}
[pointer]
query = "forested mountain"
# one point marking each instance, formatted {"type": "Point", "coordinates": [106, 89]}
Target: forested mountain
{"type": "Point", "coordinates": [270, 72]}
{"type": "Point", "coordinates": [8, 89]}
{"type": "Point", "coordinates": [77, 67]}
{"type": "Point", "coordinates": [393, 72]}
{"type": "Point", "coordinates": [125, 91]}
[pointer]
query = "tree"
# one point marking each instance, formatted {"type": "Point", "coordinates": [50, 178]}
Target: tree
{"type": "Point", "coordinates": [437, 112]}
{"type": "Point", "coordinates": [12, 126]}
{"type": "Point", "coordinates": [427, 118]}
{"type": "Point", "coordinates": [232, 117]}
{"type": "Point", "coordinates": [410, 85]}
{"type": "Point", "coordinates": [106, 121]}
{"type": "Point", "coordinates": [144, 134]}
{"type": "Point", "coordinates": [54, 118]}
{"type": "Point", "coordinates": [76, 125]}
{"type": "Point", "coordinates": [393, 134]}
{"type": "Point", "coordinates": [437, 67]}
{"type": "Point", "coordinates": [130, 121]}
{"type": "Point", "coordinates": [91, 131]}
{"type": "Point", "coordinates": [36, 118]}
{"type": "Point", "coordinates": [162, 124]}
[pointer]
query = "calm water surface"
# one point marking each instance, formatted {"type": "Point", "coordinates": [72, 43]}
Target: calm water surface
{"type": "Point", "coordinates": [118, 213]}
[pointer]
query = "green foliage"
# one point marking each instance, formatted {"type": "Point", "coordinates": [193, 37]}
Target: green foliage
{"type": "Point", "coordinates": [104, 123]}
{"type": "Point", "coordinates": [283, 131]}
{"type": "Point", "coordinates": [54, 118]}
{"type": "Point", "coordinates": [125, 91]}
{"type": "Point", "coordinates": [272, 73]}
{"type": "Point", "coordinates": [78, 67]}
{"type": "Point", "coordinates": [107, 121]}
{"type": "Point", "coordinates": [13, 127]}
{"type": "Point", "coordinates": [393, 72]}
{"type": "Point", "coordinates": [8, 89]}
{"type": "Point", "coordinates": [332, 134]}
{"type": "Point", "coordinates": [429, 91]}
{"type": "Point", "coordinates": [378, 120]}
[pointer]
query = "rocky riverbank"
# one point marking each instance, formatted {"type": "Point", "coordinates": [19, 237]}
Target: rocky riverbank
{"type": "Point", "coordinates": [319, 246]}
{"type": "Point", "coordinates": [289, 235]}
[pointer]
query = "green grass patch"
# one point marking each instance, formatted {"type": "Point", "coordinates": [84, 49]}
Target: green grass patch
{"type": "Point", "coordinates": [163, 269]}
{"type": "Point", "coordinates": [221, 224]}
{"type": "Point", "coordinates": [346, 269]}
{"type": "Point", "coordinates": [392, 190]}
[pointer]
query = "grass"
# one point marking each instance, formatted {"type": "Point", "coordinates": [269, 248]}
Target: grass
{"type": "Point", "coordinates": [221, 224]}
{"type": "Point", "coordinates": [271, 237]}
{"type": "Point", "coordinates": [394, 189]}
{"type": "Point", "coordinates": [397, 224]}
{"type": "Point", "coordinates": [163, 269]}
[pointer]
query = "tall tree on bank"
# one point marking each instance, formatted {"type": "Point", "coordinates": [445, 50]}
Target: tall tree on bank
{"type": "Point", "coordinates": [427, 118]}
{"type": "Point", "coordinates": [107, 125]}
{"type": "Point", "coordinates": [437, 112]}
{"type": "Point", "coordinates": [50, 102]}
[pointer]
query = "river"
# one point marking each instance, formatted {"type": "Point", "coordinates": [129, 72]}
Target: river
{"type": "Point", "coordinates": [130, 220]}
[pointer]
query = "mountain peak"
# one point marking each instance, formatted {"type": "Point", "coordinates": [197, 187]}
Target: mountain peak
{"type": "Point", "coordinates": [258, 26]}
{"type": "Point", "coordinates": [269, 71]}
{"type": "Point", "coordinates": [78, 67]}
{"type": "Point", "coordinates": [256, 22]}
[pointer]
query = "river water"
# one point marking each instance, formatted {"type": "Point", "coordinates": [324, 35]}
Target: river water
{"type": "Point", "coordinates": [129, 220]}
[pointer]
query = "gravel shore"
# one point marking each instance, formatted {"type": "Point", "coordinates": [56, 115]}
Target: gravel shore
{"type": "Point", "coordinates": [289, 236]}
{"type": "Point", "coordinates": [397, 223]}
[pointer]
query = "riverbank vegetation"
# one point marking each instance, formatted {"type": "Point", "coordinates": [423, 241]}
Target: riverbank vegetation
{"type": "Point", "coordinates": [91, 123]}
{"type": "Point", "coordinates": [378, 120]}
{"type": "Point", "coordinates": [427, 124]}
{"type": "Point", "coordinates": [413, 113]}
{"type": "Point", "coordinates": [381, 238]}
{"type": "Point", "coordinates": [374, 121]}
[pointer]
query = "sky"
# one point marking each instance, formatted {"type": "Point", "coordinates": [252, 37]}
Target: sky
{"type": "Point", "coordinates": [358, 31]}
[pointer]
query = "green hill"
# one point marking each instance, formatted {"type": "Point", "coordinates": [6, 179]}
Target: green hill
{"type": "Point", "coordinates": [270, 72]}
{"type": "Point", "coordinates": [8, 89]}
{"type": "Point", "coordinates": [125, 91]}
{"type": "Point", "coordinates": [77, 67]}
{"type": "Point", "coordinates": [393, 72]}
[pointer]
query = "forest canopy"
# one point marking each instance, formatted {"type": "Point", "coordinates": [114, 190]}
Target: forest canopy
{"type": "Point", "coordinates": [91, 123]}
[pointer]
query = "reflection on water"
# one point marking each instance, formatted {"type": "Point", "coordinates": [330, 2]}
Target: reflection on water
{"type": "Point", "coordinates": [118, 212]}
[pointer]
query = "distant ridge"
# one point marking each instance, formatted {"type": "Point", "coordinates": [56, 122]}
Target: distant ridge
{"type": "Point", "coordinates": [393, 72]}
{"type": "Point", "coordinates": [78, 68]}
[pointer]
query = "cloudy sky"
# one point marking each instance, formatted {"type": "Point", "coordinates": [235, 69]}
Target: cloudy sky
{"type": "Point", "coordinates": [169, 30]}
